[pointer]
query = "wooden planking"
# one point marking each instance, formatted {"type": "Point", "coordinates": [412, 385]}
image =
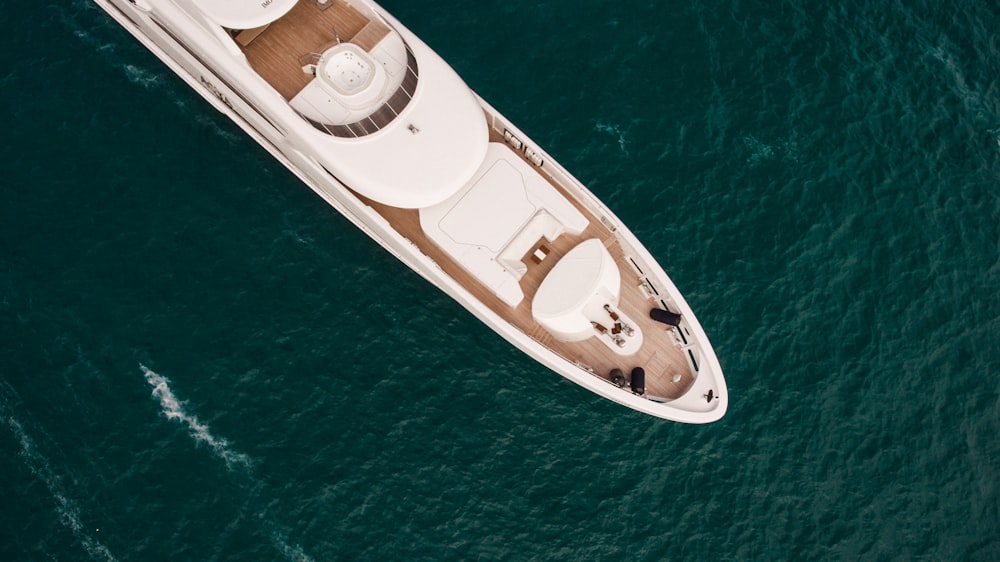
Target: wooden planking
{"type": "Point", "coordinates": [370, 35]}
{"type": "Point", "coordinates": [659, 355]}
{"type": "Point", "coordinates": [277, 53]}
{"type": "Point", "coordinates": [247, 36]}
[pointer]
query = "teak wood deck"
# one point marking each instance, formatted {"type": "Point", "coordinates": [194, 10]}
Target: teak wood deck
{"type": "Point", "coordinates": [279, 52]}
{"type": "Point", "coordinates": [276, 53]}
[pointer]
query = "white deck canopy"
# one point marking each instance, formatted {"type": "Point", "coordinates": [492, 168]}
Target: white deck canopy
{"type": "Point", "coordinates": [575, 291]}
{"type": "Point", "coordinates": [427, 153]}
{"type": "Point", "coordinates": [245, 14]}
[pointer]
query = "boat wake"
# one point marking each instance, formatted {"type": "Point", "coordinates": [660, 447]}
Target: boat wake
{"type": "Point", "coordinates": [236, 461]}
{"type": "Point", "coordinates": [94, 35]}
{"type": "Point", "coordinates": [38, 464]}
{"type": "Point", "coordinates": [174, 410]}
{"type": "Point", "coordinates": [154, 81]}
{"type": "Point", "coordinates": [142, 77]}
{"type": "Point", "coordinates": [292, 552]}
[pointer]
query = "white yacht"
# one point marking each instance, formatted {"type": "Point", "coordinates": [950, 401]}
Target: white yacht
{"type": "Point", "coordinates": [377, 124]}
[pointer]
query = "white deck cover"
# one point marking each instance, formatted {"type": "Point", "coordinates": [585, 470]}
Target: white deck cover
{"type": "Point", "coordinates": [245, 14]}
{"type": "Point", "coordinates": [475, 225]}
{"type": "Point", "coordinates": [426, 154]}
{"type": "Point", "coordinates": [575, 292]}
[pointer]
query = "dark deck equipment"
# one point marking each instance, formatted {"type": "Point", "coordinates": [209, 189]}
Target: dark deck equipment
{"type": "Point", "coordinates": [665, 316]}
{"type": "Point", "coordinates": [639, 381]}
{"type": "Point", "coordinates": [618, 377]}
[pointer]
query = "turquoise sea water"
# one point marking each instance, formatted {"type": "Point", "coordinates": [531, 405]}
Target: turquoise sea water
{"type": "Point", "coordinates": [200, 360]}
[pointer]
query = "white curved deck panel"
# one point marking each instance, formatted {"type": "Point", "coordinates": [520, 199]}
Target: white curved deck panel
{"type": "Point", "coordinates": [506, 203]}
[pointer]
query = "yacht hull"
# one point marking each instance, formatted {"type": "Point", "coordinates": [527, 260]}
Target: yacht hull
{"type": "Point", "coordinates": [189, 54]}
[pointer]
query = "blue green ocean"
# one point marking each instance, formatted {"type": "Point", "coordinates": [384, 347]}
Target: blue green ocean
{"type": "Point", "coordinates": [200, 360]}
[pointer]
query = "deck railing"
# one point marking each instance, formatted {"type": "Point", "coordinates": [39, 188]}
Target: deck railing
{"type": "Point", "coordinates": [382, 116]}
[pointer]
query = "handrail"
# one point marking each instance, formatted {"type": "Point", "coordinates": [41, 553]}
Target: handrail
{"type": "Point", "coordinates": [384, 114]}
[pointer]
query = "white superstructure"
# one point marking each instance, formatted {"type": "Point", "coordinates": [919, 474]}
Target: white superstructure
{"type": "Point", "coordinates": [385, 131]}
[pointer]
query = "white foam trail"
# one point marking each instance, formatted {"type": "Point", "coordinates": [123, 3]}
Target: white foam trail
{"type": "Point", "coordinates": [174, 410]}
{"type": "Point", "coordinates": [149, 79]}
{"type": "Point", "coordinates": [69, 513]}
{"type": "Point", "coordinates": [161, 82]}
{"type": "Point", "coordinates": [141, 76]}
{"type": "Point", "coordinates": [293, 553]}
{"type": "Point", "coordinates": [209, 120]}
